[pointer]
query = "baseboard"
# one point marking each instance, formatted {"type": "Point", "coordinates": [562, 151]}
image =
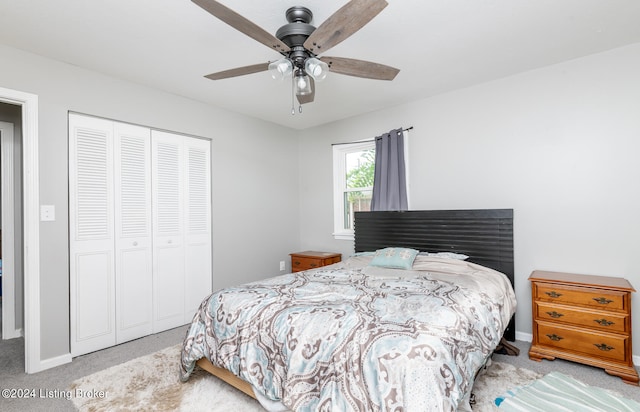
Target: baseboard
{"type": "Point", "coordinates": [13, 334]}
{"type": "Point", "coordinates": [525, 337]}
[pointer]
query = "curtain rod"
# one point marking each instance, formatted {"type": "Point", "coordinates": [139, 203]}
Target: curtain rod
{"type": "Point", "coordinates": [367, 141]}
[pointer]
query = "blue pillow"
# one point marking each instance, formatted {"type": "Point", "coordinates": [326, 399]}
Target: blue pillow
{"type": "Point", "coordinates": [394, 257]}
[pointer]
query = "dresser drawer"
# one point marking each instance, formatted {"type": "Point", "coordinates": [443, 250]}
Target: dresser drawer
{"type": "Point", "coordinates": [604, 345]}
{"type": "Point", "coordinates": [595, 298]}
{"type": "Point", "coordinates": [601, 320]}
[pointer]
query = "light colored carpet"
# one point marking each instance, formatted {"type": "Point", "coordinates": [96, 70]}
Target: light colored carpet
{"type": "Point", "coordinates": [12, 370]}
{"type": "Point", "coordinates": [150, 383]}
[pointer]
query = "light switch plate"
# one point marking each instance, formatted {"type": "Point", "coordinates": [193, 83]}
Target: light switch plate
{"type": "Point", "coordinates": [47, 213]}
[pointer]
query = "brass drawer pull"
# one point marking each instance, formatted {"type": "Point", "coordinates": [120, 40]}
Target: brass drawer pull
{"type": "Point", "coordinates": [603, 301]}
{"type": "Point", "coordinates": [555, 314]}
{"type": "Point", "coordinates": [553, 294]}
{"type": "Point", "coordinates": [603, 346]}
{"type": "Point", "coordinates": [297, 263]}
{"type": "Point", "coordinates": [313, 265]}
{"type": "Point", "coordinates": [555, 337]}
{"type": "Point", "coordinates": [603, 322]}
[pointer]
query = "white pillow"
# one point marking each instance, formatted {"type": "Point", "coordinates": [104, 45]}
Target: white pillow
{"type": "Point", "coordinates": [446, 255]}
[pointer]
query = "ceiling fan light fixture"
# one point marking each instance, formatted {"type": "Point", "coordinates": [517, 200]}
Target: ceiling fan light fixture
{"type": "Point", "coordinates": [316, 68]}
{"type": "Point", "coordinates": [281, 69]}
{"type": "Point", "coordinates": [302, 83]}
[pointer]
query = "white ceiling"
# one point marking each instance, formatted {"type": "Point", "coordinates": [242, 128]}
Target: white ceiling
{"type": "Point", "coordinates": [438, 45]}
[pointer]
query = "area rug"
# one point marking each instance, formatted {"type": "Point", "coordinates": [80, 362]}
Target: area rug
{"type": "Point", "coordinates": [559, 392]}
{"type": "Point", "coordinates": [150, 383]}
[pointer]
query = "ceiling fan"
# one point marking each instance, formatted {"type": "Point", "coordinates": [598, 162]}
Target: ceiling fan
{"type": "Point", "coordinates": [301, 43]}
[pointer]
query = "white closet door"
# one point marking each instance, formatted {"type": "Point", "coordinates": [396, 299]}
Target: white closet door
{"type": "Point", "coordinates": [198, 224]}
{"type": "Point", "coordinates": [133, 241]}
{"type": "Point", "coordinates": [168, 230]}
{"type": "Point", "coordinates": [92, 280]}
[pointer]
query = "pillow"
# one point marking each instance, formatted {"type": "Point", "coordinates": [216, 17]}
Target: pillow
{"type": "Point", "coordinates": [394, 257]}
{"type": "Point", "coordinates": [446, 255]}
{"type": "Point", "coordinates": [363, 254]}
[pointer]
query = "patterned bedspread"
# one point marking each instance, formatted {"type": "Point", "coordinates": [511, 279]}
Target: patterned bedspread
{"type": "Point", "coordinates": [352, 337]}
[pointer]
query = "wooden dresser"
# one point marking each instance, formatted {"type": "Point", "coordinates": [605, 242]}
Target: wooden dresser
{"type": "Point", "coordinates": [583, 318]}
{"type": "Point", "coordinates": [312, 259]}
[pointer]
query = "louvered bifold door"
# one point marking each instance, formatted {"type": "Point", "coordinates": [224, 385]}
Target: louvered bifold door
{"type": "Point", "coordinates": [198, 280]}
{"type": "Point", "coordinates": [168, 230]}
{"type": "Point", "coordinates": [92, 279]}
{"type": "Point", "coordinates": [133, 239]}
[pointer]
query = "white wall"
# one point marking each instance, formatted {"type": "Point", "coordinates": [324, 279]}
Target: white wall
{"type": "Point", "coordinates": [255, 191]}
{"type": "Point", "coordinates": [559, 145]}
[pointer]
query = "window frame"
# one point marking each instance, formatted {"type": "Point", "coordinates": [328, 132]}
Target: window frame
{"type": "Point", "coordinates": [340, 152]}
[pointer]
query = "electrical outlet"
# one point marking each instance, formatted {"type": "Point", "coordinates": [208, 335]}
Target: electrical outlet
{"type": "Point", "coordinates": [282, 265]}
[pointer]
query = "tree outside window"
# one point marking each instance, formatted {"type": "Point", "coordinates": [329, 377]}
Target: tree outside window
{"type": "Point", "coordinates": [359, 190]}
{"type": "Point", "coordinates": [353, 172]}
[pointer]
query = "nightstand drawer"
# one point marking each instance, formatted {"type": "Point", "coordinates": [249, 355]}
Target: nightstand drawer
{"type": "Point", "coordinates": [601, 299]}
{"type": "Point", "coordinates": [603, 345]}
{"type": "Point", "coordinates": [301, 263]}
{"type": "Point", "coordinates": [601, 320]}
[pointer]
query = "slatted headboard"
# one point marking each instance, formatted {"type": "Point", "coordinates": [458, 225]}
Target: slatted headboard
{"type": "Point", "coordinates": [485, 235]}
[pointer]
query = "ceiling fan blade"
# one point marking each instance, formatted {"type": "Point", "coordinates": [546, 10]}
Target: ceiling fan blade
{"type": "Point", "coordinates": [239, 71]}
{"type": "Point", "coordinates": [360, 68]}
{"type": "Point", "coordinates": [343, 23]}
{"type": "Point", "coordinates": [308, 98]}
{"type": "Point", "coordinates": [243, 25]}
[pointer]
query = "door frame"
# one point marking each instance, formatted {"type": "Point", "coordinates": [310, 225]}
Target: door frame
{"type": "Point", "coordinates": [31, 224]}
{"type": "Point", "coordinates": [7, 178]}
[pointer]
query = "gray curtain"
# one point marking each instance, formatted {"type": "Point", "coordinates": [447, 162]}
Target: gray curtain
{"type": "Point", "coordinates": [390, 181]}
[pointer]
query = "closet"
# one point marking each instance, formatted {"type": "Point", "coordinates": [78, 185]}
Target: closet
{"type": "Point", "coordinates": [139, 230]}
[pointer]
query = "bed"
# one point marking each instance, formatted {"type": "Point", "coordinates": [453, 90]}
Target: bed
{"type": "Point", "coordinates": [361, 335]}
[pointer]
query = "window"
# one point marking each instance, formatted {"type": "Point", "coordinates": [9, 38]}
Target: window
{"type": "Point", "coordinates": [353, 171]}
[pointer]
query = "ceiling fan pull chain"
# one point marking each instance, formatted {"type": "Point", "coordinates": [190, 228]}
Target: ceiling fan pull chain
{"type": "Point", "coordinates": [293, 92]}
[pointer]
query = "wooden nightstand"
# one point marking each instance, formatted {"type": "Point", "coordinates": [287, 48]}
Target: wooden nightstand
{"type": "Point", "coordinates": [312, 259]}
{"type": "Point", "coordinates": [583, 318]}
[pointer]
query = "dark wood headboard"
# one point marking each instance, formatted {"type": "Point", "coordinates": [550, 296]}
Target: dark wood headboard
{"type": "Point", "coordinates": [485, 235]}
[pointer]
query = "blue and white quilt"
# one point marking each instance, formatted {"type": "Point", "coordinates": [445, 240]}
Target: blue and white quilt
{"type": "Point", "coordinates": [353, 337]}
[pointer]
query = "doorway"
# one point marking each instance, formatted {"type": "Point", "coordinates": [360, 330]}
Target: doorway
{"type": "Point", "coordinates": [29, 243]}
{"type": "Point", "coordinates": [11, 274]}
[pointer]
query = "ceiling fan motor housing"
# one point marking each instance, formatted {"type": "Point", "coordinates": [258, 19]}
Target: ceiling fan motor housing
{"type": "Point", "coordinates": [299, 14]}
{"type": "Point", "coordinates": [296, 32]}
